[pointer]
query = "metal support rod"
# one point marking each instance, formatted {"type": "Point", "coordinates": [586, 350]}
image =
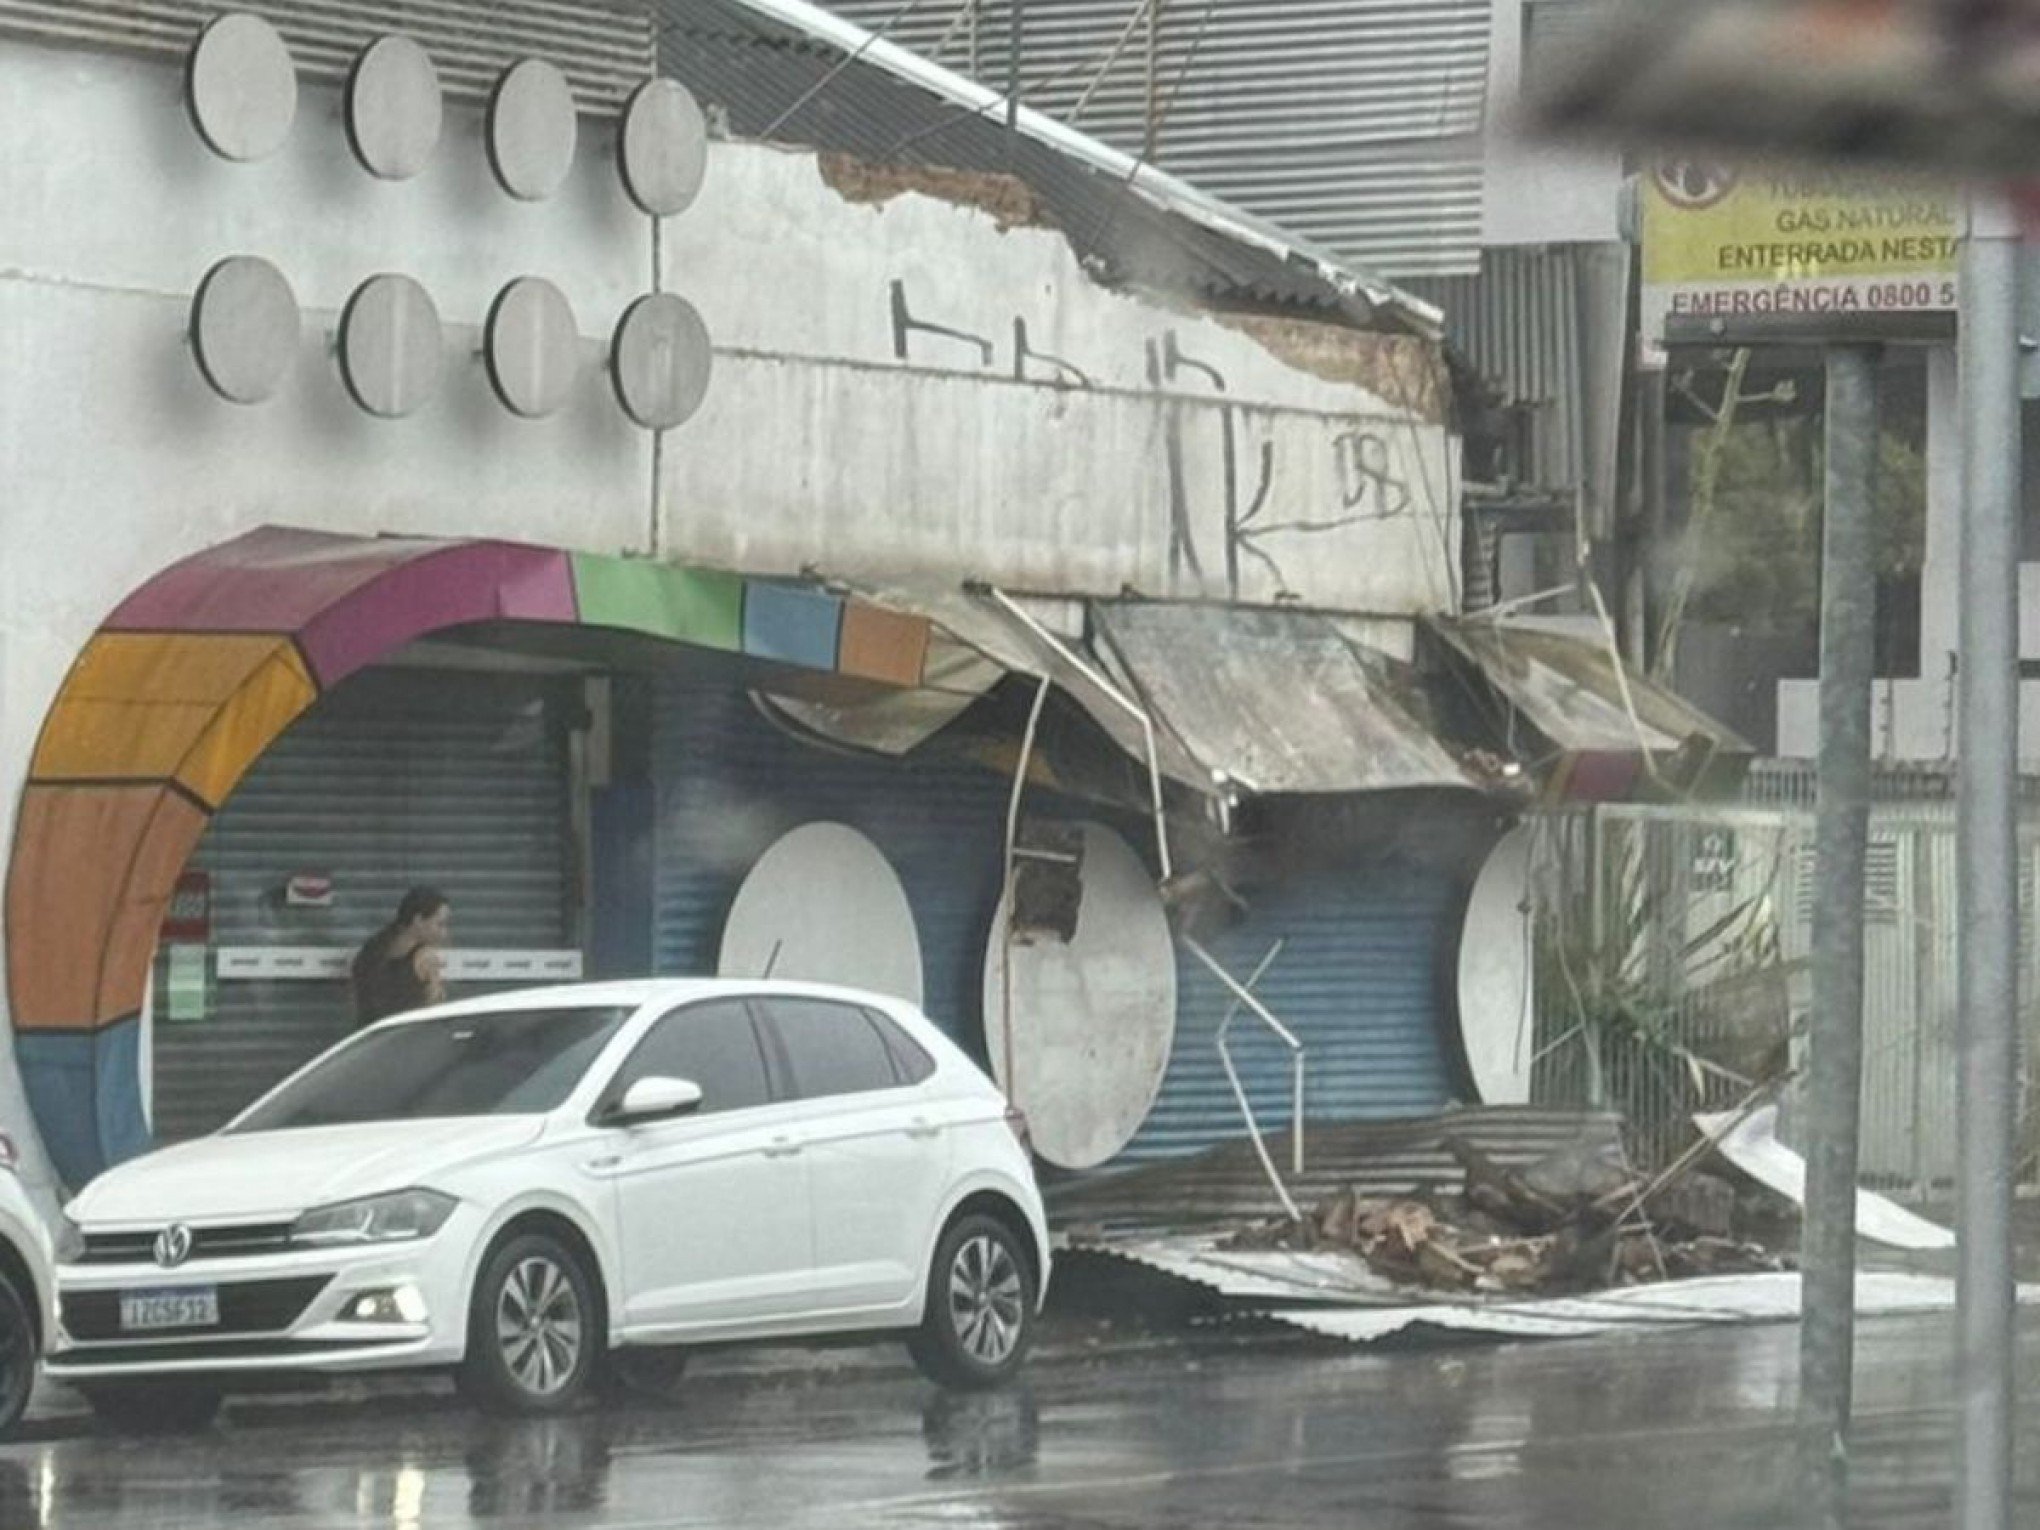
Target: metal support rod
{"type": "Point", "coordinates": [1243, 995]}
{"type": "Point", "coordinates": [1296, 1117]}
{"type": "Point", "coordinates": [1986, 844]}
{"type": "Point", "coordinates": [1020, 770]}
{"type": "Point", "coordinates": [1119, 699]}
{"type": "Point", "coordinates": [1835, 1040]}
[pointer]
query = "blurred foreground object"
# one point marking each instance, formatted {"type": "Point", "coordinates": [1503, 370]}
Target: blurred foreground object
{"type": "Point", "coordinates": [1952, 84]}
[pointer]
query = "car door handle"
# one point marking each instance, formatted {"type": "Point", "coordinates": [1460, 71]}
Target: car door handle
{"type": "Point", "coordinates": [781, 1147]}
{"type": "Point", "coordinates": [921, 1129]}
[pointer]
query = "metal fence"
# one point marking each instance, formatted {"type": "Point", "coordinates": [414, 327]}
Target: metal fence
{"type": "Point", "coordinates": [1672, 973]}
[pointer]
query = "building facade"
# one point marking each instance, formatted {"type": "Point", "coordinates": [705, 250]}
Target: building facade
{"type": "Point", "coordinates": [268, 662]}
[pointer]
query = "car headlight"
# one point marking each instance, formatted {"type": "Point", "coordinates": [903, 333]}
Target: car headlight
{"type": "Point", "coordinates": [401, 1217]}
{"type": "Point", "coordinates": [69, 1243]}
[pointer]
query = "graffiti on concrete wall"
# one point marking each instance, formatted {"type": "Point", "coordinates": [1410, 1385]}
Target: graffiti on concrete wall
{"type": "Point", "coordinates": [1220, 458]}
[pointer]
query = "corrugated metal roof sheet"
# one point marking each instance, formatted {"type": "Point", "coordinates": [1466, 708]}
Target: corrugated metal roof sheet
{"type": "Point", "coordinates": [1353, 122]}
{"type": "Point", "coordinates": [773, 80]}
{"type": "Point", "coordinates": [1518, 322]}
{"type": "Point", "coordinates": [1273, 701]}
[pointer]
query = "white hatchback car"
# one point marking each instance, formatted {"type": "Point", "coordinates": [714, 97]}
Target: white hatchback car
{"type": "Point", "coordinates": [25, 1290]}
{"type": "Point", "coordinates": [528, 1186]}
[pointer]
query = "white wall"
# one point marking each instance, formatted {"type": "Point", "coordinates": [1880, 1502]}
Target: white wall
{"type": "Point", "coordinates": [1538, 194]}
{"type": "Point", "coordinates": [821, 445]}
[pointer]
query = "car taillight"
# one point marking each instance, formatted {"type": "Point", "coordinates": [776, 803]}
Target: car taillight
{"type": "Point", "coordinates": [1016, 1123]}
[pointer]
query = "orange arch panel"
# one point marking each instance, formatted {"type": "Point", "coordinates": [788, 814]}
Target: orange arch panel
{"type": "Point", "coordinates": [194, 708]}
{"type": "Point", "coordinates": [92, 918]}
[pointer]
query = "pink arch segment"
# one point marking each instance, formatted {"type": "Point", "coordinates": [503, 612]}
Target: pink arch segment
{"type": "Point", "coordinates": [348, 601]}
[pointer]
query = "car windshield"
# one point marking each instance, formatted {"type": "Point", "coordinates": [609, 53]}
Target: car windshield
{"type": "Point", "coordinates": [518, 1062]}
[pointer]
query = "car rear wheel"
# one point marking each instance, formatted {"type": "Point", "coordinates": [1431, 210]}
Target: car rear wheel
{"type": "Point", "coordinates": [979, 1319]}
{"type": "Point", "coordinates": [534, 1336]}
{"type": "Point", "coordinates": [153, 1407]}
{"type": "Point", "coordinates": [17, 1353]}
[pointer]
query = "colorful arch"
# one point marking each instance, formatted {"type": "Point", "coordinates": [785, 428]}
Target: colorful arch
{"type": "Point", "coordinates": [200, 670]}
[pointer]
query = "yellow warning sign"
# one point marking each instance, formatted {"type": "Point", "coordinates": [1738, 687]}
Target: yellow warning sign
{"type": "Point", "coordinates": [1729, 242]}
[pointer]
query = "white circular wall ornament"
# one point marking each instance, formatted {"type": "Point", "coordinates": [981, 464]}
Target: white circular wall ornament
{"type": "Point", "coordinates": [1093, 1020]}
{"type": "Point", "coordinates": [532, 129]}
{"type": "Point", "coordinates": [662, 147]}
{"type": "Point", "coordinates": [823, 905]}
{"type": "Point", "coordinates": [660, 361]}
{"type": "Point", "coordinates": [391, 348]}
{"type": "Point", "coordinates": [1496, 1015]}
{"type": "Point", "coordinates": [532, 348]}
{"type": "Point", "coordinates": [241, 86]}
{"type": "Point", "coordinates": [244, 329]}
{"type": "Point", "coordinates": [393, 110]}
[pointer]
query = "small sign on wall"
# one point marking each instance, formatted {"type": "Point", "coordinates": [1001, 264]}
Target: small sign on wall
{"type": "Point", "coordinates": [189, 919]}
{"type": "Point", "coordinates": [1715, 858]}
{"type": "Point", "coordinates": [184, 985]}
{"type": "Point", "coordinates": [308, 889]}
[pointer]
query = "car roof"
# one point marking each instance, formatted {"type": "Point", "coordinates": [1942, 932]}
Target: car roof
{"type": "Point", "coordinates": [640, 993]}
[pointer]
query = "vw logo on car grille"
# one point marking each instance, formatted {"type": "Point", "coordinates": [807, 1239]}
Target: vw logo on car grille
{"type": "Point", "coordinates": [173, 1245]}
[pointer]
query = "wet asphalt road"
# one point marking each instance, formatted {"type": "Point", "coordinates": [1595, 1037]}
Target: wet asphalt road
{"type": "Point", "coordinates": [1670, 1430]}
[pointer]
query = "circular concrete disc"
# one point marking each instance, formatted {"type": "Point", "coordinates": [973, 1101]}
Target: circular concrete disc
{"type": "Point", "coordinates": [393, 108]}
{"type": "Point", "coordinates": [532, 348]}
{"type": "Point", "coordinates": [391, 352]}
{"type": "Point", "coordinates": [827, 900]}
{"type": "Point", "coordinates": [660, 361]}
{"type": "Point", "coordinates": [242, 87]}
{"type": "Point", "coordinates": [244, 329]}
{"type": "Point", "coordinates": [1093, 1020]}
{"type": "Point", "coordinates": [532, 130]}
{"type": "Point", "coordinates": [662, 150]}
{"type": "Point", "coordinates": [1495, 1015]}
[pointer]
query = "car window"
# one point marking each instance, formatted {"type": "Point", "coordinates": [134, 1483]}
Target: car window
{"type": "Point", "coordinates": [714, 1045]}
{"type": "Point", "coordinates": [515, 1062]}
{"type": "Point", "coordinates": [830, 1048]}
{"type": "Point", "coordinates": [910, 1060]}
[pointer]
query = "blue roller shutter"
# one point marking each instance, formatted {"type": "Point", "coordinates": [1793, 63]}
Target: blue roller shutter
{"type": "Point", "coordinates": [730, 782]}
{"type": "Point", "coordinates": [1359, 980]}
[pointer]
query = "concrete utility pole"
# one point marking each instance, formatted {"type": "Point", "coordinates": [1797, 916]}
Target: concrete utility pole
{"type": "Point", "coordinates": [1848, 613]}
{"type": "Point", "coordinates": [1987, 846]}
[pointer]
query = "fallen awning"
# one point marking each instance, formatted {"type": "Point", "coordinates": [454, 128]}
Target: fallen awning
{"type": "Point", "coordinates": [954, 677]}
{"type": "Point", "coordinates": [1272, 701]}
{"type": "Point", "coordinates": [1611, 732]}
{"type": "Point", "coordinates": [992, 642]}
{"type": "Point", "coordinates": [1240, 700]}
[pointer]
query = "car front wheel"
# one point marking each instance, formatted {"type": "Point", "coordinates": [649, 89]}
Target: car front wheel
{"type": "Point", "coordinates": [979, 1319]}
{"type": "Point", "coordinates": [17, 1354]}
{"type": "Point", "coordinates": [533, 1332]}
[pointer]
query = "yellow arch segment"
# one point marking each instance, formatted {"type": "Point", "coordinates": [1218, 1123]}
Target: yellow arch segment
{"type": "Point", "coordinates": [194, 708]}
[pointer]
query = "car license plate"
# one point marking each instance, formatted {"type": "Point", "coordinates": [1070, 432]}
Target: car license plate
{"type": "Point", "coordinates": [185, 1307]}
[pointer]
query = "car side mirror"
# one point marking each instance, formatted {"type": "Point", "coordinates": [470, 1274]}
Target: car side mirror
{"type": "Point", "coordinates": [655, 1099]}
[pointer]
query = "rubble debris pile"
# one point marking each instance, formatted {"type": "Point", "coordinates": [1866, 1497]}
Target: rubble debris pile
{"type": "Point", "coordinates": [1575, 1221]}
